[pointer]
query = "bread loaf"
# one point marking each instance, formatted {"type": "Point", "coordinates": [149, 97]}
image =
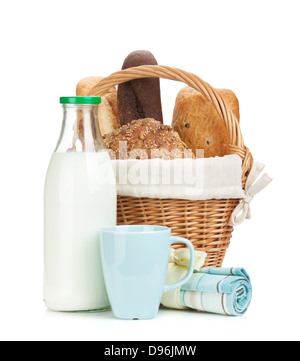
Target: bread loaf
{"type": "Point", "coordinates": [232, 101]}
{"type": "Point", "coordinates": [139, 98]}
{"type": "Point", "coordinates": [107, 112]}
{"type": "Point", "coordinates": [198, 123]}
{"type": "Point", "coordinates": [146, 139]}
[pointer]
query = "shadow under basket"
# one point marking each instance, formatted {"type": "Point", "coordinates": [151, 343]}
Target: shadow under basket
{"type": "Point", "coordinates": [204, 223]}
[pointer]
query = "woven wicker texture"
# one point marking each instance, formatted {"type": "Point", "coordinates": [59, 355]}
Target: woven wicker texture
{"type": "Point", "coordinates": [204, 223]}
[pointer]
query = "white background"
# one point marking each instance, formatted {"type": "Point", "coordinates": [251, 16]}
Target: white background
{"type": "Point", "coordinates": [251, 47]}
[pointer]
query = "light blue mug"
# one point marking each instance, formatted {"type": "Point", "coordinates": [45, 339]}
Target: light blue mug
{"type": "Point", "coordinates": [135, 262]}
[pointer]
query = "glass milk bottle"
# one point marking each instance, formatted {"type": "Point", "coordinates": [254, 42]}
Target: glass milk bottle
{"type": "Point", "coordinates": [80, 199]}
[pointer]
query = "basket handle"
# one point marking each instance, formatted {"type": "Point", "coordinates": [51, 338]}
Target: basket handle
{"type": "Point", "coordinates": [213, 95]}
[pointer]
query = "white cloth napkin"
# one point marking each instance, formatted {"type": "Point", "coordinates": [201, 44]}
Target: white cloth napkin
{"type": "Point", "coordinates": [191, 179]}
{"type": "Point", "coordinates": [179, 261]}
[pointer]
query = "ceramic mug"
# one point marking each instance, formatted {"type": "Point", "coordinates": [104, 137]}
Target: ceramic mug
{"type": "Point", "coordinates": [135, 262]}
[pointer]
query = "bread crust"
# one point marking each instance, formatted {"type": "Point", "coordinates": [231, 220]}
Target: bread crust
{"type": "Point", "coordinates": [139, 98]}
{"type": "Point", "coordinates": [199, 124]}
{"type": "Point", "coordinates": [146, 139]}
{"type": "Point", "coordinates": [232, 101]}
{"type": "Point", "coordinates": [107, 112]}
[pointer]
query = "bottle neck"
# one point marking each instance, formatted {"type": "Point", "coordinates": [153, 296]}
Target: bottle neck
{"type": "Point", "coordinates": [80, 130]}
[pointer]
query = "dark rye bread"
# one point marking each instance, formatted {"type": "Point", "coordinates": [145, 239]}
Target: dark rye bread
{"type": "Point", "coordinates": [139, 98]}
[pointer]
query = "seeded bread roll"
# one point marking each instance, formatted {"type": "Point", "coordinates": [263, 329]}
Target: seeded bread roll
{"type": "Point", "coordinates": [146, 139]}
{"type": "Point", "coordinates": [139, 98]}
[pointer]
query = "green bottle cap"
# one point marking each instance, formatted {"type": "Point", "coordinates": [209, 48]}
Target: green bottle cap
{"type": "Point", "coordinates": [80, 100]}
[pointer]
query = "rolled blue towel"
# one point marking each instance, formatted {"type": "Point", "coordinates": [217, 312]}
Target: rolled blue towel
{"type": "Point", "coordinates": [218, 290]}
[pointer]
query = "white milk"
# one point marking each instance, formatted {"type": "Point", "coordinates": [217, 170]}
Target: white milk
{"type": "Point", "coordinates": [80, 199]}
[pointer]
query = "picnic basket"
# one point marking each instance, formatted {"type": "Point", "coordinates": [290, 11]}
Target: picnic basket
{"type": "Point", "coordinates": [204, 222]}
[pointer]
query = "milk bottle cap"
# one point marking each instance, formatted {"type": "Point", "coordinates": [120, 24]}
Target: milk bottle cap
{"type": "Point", "coordinates": [80, 100]}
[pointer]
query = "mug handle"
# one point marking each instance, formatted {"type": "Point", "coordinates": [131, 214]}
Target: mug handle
{"type": "Point", "coordinates": [192, 263]}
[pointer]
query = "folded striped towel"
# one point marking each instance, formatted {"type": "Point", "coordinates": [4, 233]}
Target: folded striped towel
{"type": "Point", "coordinates": [218, 290]}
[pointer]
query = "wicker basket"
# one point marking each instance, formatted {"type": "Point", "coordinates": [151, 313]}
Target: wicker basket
{"type": "Point", "coordinates": [205, 223]}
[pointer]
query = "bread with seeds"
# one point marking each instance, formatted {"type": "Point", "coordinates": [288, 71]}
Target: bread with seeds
{"type": "Point", "coordinates": [146, 139]}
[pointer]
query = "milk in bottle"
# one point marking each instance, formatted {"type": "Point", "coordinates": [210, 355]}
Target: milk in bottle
{"type": "Point", "coordinates": [79, 199]}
